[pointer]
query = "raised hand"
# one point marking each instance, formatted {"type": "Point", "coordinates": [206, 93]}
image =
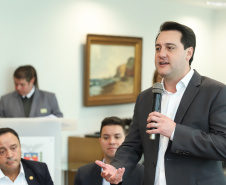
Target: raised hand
{"type": "Point", "coordinates": [110, 173]}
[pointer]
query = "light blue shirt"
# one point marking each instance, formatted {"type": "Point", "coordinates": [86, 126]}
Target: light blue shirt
{"type": "Point", "coordinates": [104, 182]}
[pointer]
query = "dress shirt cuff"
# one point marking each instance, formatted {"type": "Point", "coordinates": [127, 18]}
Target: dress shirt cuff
{"type": "Point", "coordinates": [171, 137]}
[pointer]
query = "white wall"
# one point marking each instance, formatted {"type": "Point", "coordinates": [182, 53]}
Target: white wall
{"type": "Point", "coordinates": [51, 35]}
{"type": "Point", "coordinates": [219, 46]}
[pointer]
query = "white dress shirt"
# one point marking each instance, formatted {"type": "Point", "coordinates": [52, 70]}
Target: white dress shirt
{"type": "Point", "coordinates": [30, 93]}
{"type": "Point", "coordinates": [169, 106]}
{"type": "Point", "coordinates": [20, 180]}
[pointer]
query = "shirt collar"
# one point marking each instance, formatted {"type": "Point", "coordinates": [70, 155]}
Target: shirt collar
{"type": "Point", "coordinates": [183, 82]}
{"type": "Point", "coordinates": [21, 171]}
{"type": "Point", "coordinates": [30, 93]}
{"type": "Point", "coordinates": [1, 174]}
{"type": "Point", "coordinates": [21, 168]}
{"type": "Point", "coordinates": [103, 162]}
{"type": "Point", "coordinates": [187, 77]}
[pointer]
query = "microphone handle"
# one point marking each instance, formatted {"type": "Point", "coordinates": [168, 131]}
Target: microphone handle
{"type": "Point", "coordinates": [156, 107]}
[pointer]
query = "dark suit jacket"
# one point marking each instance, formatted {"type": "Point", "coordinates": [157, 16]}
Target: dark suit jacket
{"type": "Point", "coordinates": [90, 175]}
{"type": "Point", "coordinates": [43, 104]}
{"type": "Point", "coordinates": [199, 144]}
{"type": "Point", "coordinates": [36, 173]}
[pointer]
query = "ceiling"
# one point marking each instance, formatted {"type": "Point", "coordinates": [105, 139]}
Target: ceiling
{"type": "Point", "coordinates": [203, 3]}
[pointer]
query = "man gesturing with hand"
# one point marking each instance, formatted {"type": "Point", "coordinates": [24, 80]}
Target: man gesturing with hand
{"type": "Point", "coordinates": [190, 141]}
{"type": "Point", "coordinates": [110, 173]}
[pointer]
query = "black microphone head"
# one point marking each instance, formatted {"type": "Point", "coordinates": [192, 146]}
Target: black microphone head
{"type": "Point", "coordinates": [157, 88]}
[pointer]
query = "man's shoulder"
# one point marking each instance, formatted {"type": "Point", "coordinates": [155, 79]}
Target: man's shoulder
{"type": "Point", "coordinates": [32, 164]}
{"type": "Point", "coordinates": [9, 95]}
{"type": "Point", "coordinates": [211, 82]}
{"type": "Point", "coordinates": [90, 166]}
{"type": "Point", "coordinates": [88, 174]}
{"type": "Point", "coordinates": [44, 93]}
{"type": "Point", "coordinates": [205, 81]}
{"type": "Point", "coordinates": [146, 92]}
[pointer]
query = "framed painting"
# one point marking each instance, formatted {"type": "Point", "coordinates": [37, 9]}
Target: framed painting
{"type": "Point", "coordinates": [112, 69]}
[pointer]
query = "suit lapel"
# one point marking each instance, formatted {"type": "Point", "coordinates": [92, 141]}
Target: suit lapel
{"type": "Point", "coordinates": [189, 95]}
{"type": "Point", "coordinates": [34, 103]}
{"type": "Point", "coordinates": [20, 104]}
{"type": "Point", "coordinates": [29, 175]}
{"type": "Point", "coordinates": [97, 180]}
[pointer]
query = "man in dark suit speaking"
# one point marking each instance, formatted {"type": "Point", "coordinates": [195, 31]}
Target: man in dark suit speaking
{"type": "Point", "coordinates": [190, 142]}
{"type": "Point", "coordinates": [27, 100]}
{"type": "Point", "coordinates": [112, 135]}
{"type": "Point", "coordinates": [13, 169]}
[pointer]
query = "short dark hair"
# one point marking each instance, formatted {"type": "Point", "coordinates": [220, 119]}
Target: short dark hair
{"type": "Point", "coordinates": [6, 130]}
{"type": "Point", "coordinates": [26, 72]}
{"type": "Point", "coordinates": [112, 121]}
{"type": "Point", "coordinates": [188, 38]}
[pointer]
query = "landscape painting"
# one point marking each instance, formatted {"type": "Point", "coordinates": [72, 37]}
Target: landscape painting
{"type": "Point", "coordinates": [112, 71]}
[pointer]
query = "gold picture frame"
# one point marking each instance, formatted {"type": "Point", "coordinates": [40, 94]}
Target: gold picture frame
{"type": "Point", "coordinates": [112, 69]}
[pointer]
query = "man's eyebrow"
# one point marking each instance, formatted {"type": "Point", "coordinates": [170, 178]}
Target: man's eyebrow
{"type": "Point", "coordinates": [166, 44]}
{"type": "Point", "coordinates": [105, 134]}
{"type": "Point", "coordinates": [170, 44]}
{"type": "Point", "coordinates": [13, 145]}
{"type": "Point", "coordinates": [117, 134]}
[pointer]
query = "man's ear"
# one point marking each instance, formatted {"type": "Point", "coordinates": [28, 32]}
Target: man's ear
{"type": "Point", "coordinates": [32, 80]}
{"type": "Point", "coordinates": [190, 51]}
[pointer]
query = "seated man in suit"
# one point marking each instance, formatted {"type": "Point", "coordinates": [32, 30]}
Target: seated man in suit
{"type": "Point", "coordinates": [27, 100]}
{"type": "Point", "coordinates": [112, 135]}
{"type": "Point", "coordinates": [13, 169]}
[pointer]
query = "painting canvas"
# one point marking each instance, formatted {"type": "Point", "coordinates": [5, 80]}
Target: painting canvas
{"type": "Point", "coordinates": [112, 70]}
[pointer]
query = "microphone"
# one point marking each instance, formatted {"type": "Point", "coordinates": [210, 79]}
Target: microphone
{"type": "Point", "coordinates": [157, 90]}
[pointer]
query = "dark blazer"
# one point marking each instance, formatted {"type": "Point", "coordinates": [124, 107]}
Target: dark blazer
{"type": "Point", "coordinates": [36, 173]}
{"type": "Point", "coordinates": [90, 175]}
{"type": "Point", "coordinates": [43, 104]}
{"type": "Point", "coordinates": [199, 144]}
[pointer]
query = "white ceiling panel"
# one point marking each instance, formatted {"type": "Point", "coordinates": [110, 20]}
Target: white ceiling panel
{"type": "Point", "coordinates": [213, 4]}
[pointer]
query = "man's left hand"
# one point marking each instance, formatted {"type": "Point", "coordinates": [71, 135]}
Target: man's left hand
{"type": "Point", "coordinates": [162, 124]}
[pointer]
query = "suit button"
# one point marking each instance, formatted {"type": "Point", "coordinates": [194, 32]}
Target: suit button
{"type": "Point", "coordinates": [168, 159]}
{"type": "Point", "coordinates": [154, 164]}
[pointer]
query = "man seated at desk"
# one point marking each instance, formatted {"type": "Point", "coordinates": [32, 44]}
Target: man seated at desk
{"type": "Point", "coordinates": [27, 100]}
{"type": "Point", "coordinates": [13, 169]}
{"type": "Point", "coordinates": [112, 136]}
